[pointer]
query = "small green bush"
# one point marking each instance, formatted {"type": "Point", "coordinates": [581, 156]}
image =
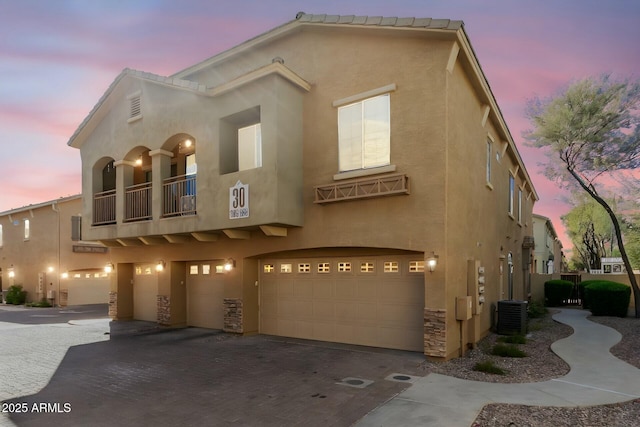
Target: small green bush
{"type": "Point", "coordinates": [41, 303]}
{"type": "Point", "coordinates": [607, 298]}
{"type": "Point", "coordinates": [556, 291]}
{"type": "Point", "coordinates": [581, 293]}
{"type": "Point", "coordinates": [535, 310]}
{"type": "Point", "coordinates": [15, 295]}
{"type": "Point", "coordinates": [503, 350]}
{"type": "Point", "coordinates": [513, 339]}
{"type": "Point", "coordinates": [488, 367]}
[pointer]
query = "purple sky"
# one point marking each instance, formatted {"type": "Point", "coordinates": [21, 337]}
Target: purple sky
{"type": "Point", "coordinates": [58, 57]}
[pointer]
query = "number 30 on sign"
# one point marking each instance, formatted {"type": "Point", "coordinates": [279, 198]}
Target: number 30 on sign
{"type": "Point", "coordinates": [239, 201]}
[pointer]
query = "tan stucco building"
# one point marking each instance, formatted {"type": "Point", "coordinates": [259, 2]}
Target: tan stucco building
{"type": "Point", "coordinates": [547, 255]}
{"type": "Point", "coordinates": [305, 182]}
{"type": "Point", "coordinates": [41, 248]}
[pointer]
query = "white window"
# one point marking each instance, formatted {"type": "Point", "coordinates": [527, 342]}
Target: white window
{"type": "Point", "coordinates": [304, 268]}
{"type": "Point", "coordinates": [193, 269]}
{"type": "Point", "coordinates": [285, 268]}
{"type": "Point", "coordinates": [344, 267]}
{"type": "Point", "coordinates": [267, 268]}
{"type": "Point", "coordinates": [489, 152]}
{"type": "Point", "coordinates": [364, 134]}
{"type": "Point", "coordinates": [519, 205]}
{"type": "Point", "coordinates": [191, 167]}
{"type": "Point", "coordinates": [250, 147]}
{"type": "Point", "coordinates": [324, 267]}
{"type": "Point", "coordinates": [391, 267]}
{"type": "Point", "coordinates": [27, 230]}
{"type": "Point", "coordinates": [206, 269]}
{"type": "Point", "coordinates": [512, 188]}
{"type": "Point", "coordinates": [367, 267]}
{"type": "Point", "coordinates": [0, 236]}
{"type": "Point", "coordinates": [416, 266]}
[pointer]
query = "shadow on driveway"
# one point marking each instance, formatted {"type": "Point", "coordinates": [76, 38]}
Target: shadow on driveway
{"type": "Point", "coordinates": [197, 377]}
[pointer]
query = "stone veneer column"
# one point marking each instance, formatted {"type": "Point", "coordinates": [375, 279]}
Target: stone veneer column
{"type": "Point", "coordinates": [233, 315]}
{"type": "Point", "coordinates": [113, 305]}
{"type": "Point", "coordinates": [435, 332]}
{"type": "Point", "coordinates": [164, 309]}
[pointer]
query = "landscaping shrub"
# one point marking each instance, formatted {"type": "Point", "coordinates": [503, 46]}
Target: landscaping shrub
{"type": "Point", "coordinates": [513, 339]}
{"type": "Point", "coordinates": [535, 310]}
{"type": "Point", "coordinates": [503, 350]}
{"type": "Point", "coordinates": [581, 293]}
{"type": "Point", "coordinates": [556, 291]}
{"type": "Point", "coordinates": [15, 295]}
{"type": "Point", "coordinates": [607, 298]}
{"type": "Point", "coordinates": [488, 367]}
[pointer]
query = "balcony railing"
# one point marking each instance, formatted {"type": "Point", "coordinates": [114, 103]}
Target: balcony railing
{"type": "Point", "coordinates": [137, 205]}
{"type": "Point", "coordinates": [179, 196]}
{"type": "Point", "coordinates": [104, 207]}
{"type": "Point", "coordinates": [362, 188]}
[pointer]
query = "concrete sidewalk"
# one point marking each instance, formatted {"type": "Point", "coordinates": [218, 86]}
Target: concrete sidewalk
{"type": "Point", "coordinates": [596, 378]}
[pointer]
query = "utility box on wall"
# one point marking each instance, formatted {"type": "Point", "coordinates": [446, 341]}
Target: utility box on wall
{"type": "Point", "coordinates": [464, 308]}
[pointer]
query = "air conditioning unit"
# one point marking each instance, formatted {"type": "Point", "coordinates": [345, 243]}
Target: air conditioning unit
{"type": "Point", "coordinates": [188, 205]}
{"type": "Point", "coordinates": [512, 317]}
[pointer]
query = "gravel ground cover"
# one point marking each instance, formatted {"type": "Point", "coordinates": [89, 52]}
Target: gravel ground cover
{"type": "Point", "coordinates": [542, 364]}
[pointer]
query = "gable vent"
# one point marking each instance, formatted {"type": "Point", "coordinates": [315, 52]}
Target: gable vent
{"type": "Point", "coordinates": [135, 106]}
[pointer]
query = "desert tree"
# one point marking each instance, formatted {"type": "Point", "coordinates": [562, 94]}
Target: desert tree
{"type": "Point", "coordinates": [590, 130]}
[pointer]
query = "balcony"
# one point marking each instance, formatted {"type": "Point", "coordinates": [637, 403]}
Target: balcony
{"type": "Point", "coordinates": [137, 202]}
{"type": "Point", "coordinates": [362, 188]}
{"type": "Point", "coordinates": [179, 196]}
{"type": "Point", "coordinates": [104, 208]}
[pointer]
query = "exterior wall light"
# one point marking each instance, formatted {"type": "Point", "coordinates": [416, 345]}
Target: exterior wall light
{"type": "Point", "coordinates": [65, 275]}
{"type": "Point", "coordinates": [12, 273]}
{"type": "Point", "coordinates": [108, 268]}
{"type": "Point", "coordinates": [160, 265]}
{"type": "Point", "coordinates": [432, 262]}
{"type": "Point", "coordinates": [229, 264]}
{"type": "Point", "coordinates": [50, 269]}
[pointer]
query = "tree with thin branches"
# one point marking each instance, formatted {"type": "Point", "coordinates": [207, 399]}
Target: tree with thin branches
{"type": "Point", "coordinates": [589, 131]}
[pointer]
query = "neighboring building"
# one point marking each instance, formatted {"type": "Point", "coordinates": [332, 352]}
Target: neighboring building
{"type": "Point", "coordinates": [610, 265]}
{"type": "Point", "coordinates": [41, 249]}
{"type": "Point", "coordinates": [547, 255]}
{"type": "Point", "coordinates": [339, 160]}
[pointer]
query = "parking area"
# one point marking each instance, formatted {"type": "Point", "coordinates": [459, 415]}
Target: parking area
{"type": "Point", "coordinates": [199, 376]}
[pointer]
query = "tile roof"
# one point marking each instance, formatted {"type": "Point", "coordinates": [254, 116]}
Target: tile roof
{"type": "Point", "coordinates": [381, 21]}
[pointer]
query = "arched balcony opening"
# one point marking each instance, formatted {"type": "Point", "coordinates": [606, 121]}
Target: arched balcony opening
{"type": "Point", "coordinates": [104, 192]}
{"type": "Point", "coordinates": [138, 195]}
{"type": "Point", "coordinates": [179, 187]}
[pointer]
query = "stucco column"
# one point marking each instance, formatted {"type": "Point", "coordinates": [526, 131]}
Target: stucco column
{"type": "Point", "coordinates": [161, 170]}
{"type": "Point", "coordinates": [124, 178]}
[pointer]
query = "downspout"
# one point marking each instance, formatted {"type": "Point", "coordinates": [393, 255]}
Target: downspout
{"type": "Point", "coordinates": [56, 209]}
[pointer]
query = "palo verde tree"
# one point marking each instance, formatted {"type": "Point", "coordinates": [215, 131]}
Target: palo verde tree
{"type": "Point", "coordinates": [589, 130]}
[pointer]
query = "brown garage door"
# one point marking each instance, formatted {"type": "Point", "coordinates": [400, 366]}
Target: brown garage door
{"type": "Point", "coordinates": [374, 301]}
{"type": "Point", "coordinates": [205, 294]}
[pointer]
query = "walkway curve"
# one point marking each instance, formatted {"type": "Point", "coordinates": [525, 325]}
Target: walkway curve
{"type": "Point", "coordinates": [596, 378]}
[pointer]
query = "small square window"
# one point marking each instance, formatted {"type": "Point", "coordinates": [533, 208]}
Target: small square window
{"type": "Point", "coordinates": [206, 269]}
{"type": "Point", "coordinates": [390, 266]}
{"type": "Point", "coordinates": [220, 269]}
{"type": "Point", "coordinates": [285, 268]}
{"type": "Point", "coordinates": [416, 266]}
{"type": "Point", "coordinates": [268, 268]}
{"type": "Point", "coordinates": [193, 269]}
{"type": "Point", "coordinates": [304, 268]}
{"type": "Point", "coordinates": [367, 267]}
{"type": "Point", "coordinates": [344, 267]}
{"type": "Point", "coordinates": [324, 267]}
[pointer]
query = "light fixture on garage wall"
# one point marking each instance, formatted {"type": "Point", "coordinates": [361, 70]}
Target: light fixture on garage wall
{"type": "Point", "coordinates": [64, 275]}
{"type": "Point", "coordinates": [160, 265]}
{"type": "Point", "coordinates": [108, 268]}
{"type": "Point", "coordinates": [432, 262]}
{"type": "Point", "coordinates": [229, 264]}
{"type": "Point", "coordinates": [12, 272]}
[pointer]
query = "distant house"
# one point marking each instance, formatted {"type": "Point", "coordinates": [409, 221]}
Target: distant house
{"type": "Point", "coordinates": [337, 178]}
{"type": "Point", "coordinates": [41, 248]}
{"type": "Point", "coordinates": [547, 255]}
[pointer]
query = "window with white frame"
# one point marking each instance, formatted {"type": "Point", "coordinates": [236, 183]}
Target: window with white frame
{"type": "Point", "coordinates": [1, 244]}
{"type": "Point", "coordinates": [250, 147]}
{"type": "Point", "coordinates": [324, 267]}
{"type": "Point", "coordinates": [364, 133]}
{"type": "Point", "coordinates": [27, 229]}
{"type": "Point", "coordinates": [512, 189]}
{"type": "Point", "coordinates": [304, 267]}
{"type": "Point", "coordinates": [268, 268]}
{"type": "Point", "coordinates": [391, 267]}
{"type": "Point", "coordinates": [416, 266]}
{"type": "Point", "coordinates": [285, 268]}
{"type": "Point", "coordinates": [519, 204]}
{"type": "Point", "coordinates": [489, 155]}
{"type": "Point", "coordinates": [367, 267]}
{"type": "Point", "coordinates": [344, 267]}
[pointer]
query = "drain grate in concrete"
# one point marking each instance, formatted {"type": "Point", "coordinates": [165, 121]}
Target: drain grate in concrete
{"type": "Point", "coordinates": [355, 382]}
{"type": "Point", "coordinates": [402, 378]}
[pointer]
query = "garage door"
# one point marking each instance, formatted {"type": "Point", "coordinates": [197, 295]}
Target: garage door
{"type": "Point", "coordinates": [375, 301]}
{"type": "Point", "coordinates": [88, 287]}
{"type": "Point", "coordinates": [145, 293]}
{"type": "Point", "coordinates": [205, 294]}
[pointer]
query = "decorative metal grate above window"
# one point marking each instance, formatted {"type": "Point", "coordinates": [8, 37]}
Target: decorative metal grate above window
{"type": "Point", "coordinates": [361, 188]}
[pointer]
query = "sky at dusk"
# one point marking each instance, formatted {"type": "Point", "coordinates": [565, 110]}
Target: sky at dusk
{"type": "Point", "coordinates": [57, 58]}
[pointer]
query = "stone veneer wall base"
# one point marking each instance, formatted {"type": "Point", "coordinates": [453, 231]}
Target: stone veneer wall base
{"type": "Point", "coordinates": [233, 315]}
{"type": "Point", "coordinates": [113, 305]}
{"type": "Point", "coordinates": [435, 332]}
{"type": "Point", "coordinates": [164, 309]}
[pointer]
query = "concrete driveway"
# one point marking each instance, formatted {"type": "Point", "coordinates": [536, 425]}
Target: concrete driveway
{"type": "Point", "coordinates": [195, 377]}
